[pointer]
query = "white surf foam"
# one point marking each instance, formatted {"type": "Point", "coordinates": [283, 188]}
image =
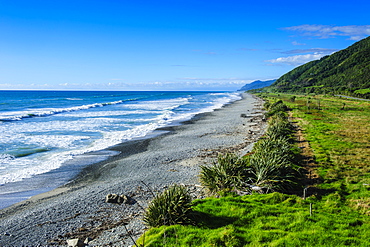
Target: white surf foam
{"type": "Point", "coordinates": [69, 146]}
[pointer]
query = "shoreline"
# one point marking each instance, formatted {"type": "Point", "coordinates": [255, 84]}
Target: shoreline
{"type": "Point", "coordinates": [82, 164]}
{"type": "Point", "coordinates": [78, 209]}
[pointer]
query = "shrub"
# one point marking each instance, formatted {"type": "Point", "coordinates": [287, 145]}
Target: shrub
{"type": "Point", "coordinates": [280, 127]}
{"type": "Point", "coordinates": [279, 145]}
{"type": "Point", "coordinates": [172, 206]}
{"type": "Point", "coordinates": [271, 165]}
{"type": "Point", "coordinates": [272, 171]}
{"type": "Point", "coordinates": [278, 106]}
{"type": "Point", "coordinates": [226, 174]}
{"type": "Point", "coordinates": [267, 105]}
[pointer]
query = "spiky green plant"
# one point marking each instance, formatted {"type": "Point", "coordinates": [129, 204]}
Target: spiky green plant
{"type": "Point", "coordinates": [278, 106]}
{"type": "Point", "coordinates": [172, 206]}
{"type": "Point", "coordinates": [270, 170]}
{"type": "Point", "coordinates": [267, 105]}
{"type": "Point", "coordinates": [278, 144]}
{"type": "Point", "coordinates": [272, 162]}
{"type": "Point", "coordinates": [271, 165]}
{"type": "Point", "coordinates": [284, 124]}
{"type": "Point", "coordinates": [228, 173]}
{"type": "Point", "coordinates": [278, 117]}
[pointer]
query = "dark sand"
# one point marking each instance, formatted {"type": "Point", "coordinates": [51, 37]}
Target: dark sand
{"type": "Point", "coordinates": [79, 210]}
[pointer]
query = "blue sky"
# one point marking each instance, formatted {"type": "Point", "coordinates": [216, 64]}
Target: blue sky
{"type": "Point", "coordinates": [168, 45]}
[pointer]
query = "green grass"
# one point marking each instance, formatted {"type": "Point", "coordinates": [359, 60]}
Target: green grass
{"type": "Point", "coordinates": [339, 135]}
{"type": "Point", "coordinates": [266, 220]}
{"type": "Point", "coordinates": [338, 132]}
{"type": "Point", "coordinates": [362, 91]}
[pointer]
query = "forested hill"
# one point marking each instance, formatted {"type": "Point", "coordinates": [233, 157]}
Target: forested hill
{"type": "Point", "coordinates": [344, 72]}
{"type": "Point", "coordinates": [256, 85]}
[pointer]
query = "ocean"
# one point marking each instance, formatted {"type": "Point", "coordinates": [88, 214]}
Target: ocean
{"type": "Point", "coordinates": [47, 137]}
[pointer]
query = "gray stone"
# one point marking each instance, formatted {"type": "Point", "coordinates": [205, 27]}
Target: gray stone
{"type": "Point", "coordinates": [114, 198]}
{"type": "Point", "coordinates": [75, 242]}
{"type": "Point", "coordinates": [87, 240]}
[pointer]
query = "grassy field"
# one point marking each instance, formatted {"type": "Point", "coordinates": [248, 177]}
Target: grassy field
{"type": "Point", "coordinates": [266, 220]}
{"type": "Point", "coordinates": [337, 207]}
{"type": "Point", "coordinates": [338, 132]}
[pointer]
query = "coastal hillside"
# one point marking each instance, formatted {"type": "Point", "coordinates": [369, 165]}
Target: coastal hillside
{"type": "Point", "coordinates": [344, 72]}
{"type": "Point", "coordinates": [256, 85]}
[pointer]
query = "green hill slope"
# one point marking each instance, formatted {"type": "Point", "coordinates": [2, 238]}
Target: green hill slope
{"type": "Point", "coordinates": [344, 72]}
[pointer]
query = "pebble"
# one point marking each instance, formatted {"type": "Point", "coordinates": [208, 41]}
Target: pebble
{"type": "Point", "coordinates": [52, 221]}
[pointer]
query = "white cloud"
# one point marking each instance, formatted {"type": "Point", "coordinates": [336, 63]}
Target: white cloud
{"type": "Point", "coordinates": [297, 59]}
{"type": "Point", "coordinates": [356, 38]}
{"type": "Point", "coordinates": [354, 32]}
{"type": "Point", "coordinates": [311, 50]}
{"type": "Point", "coordinates": [296, 43]}
{"type": "Point", "coordinates": [197, 84]}
{"type": "Point", "coordinates": [191, 84]}
{"type": "Point", "coordinates": [314, 54]}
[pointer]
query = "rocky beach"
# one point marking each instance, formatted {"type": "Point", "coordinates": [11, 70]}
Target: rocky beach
{"type": "Point", "coordinates": [143, 167]}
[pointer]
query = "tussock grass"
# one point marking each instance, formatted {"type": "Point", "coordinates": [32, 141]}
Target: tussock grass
{"type": "Point", "coordinates": [338, 133]}
{"type": "Point", "coordinates": [170, 207]}
{"type": "Point", "coordinates": [228, 173]}
{"type": "Point", "coordinates": [271, 166]}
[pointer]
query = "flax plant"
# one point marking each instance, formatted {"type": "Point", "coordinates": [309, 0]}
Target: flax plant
{"type": "Point", "coordinates": [272, 171]}
{"type": "Point", "coordinates": [228, 173]}
{"type": "Point", "coordinates": [170, 207]}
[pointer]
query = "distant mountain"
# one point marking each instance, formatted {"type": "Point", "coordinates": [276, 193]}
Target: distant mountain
{"type": "Point", "coordinates": [344, 72]}
{"type": "Point", "coordinates": [256, 85]}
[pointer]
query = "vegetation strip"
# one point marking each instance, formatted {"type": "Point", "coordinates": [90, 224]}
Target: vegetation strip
{"type": "Point", "coordinates": [334, 212]}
